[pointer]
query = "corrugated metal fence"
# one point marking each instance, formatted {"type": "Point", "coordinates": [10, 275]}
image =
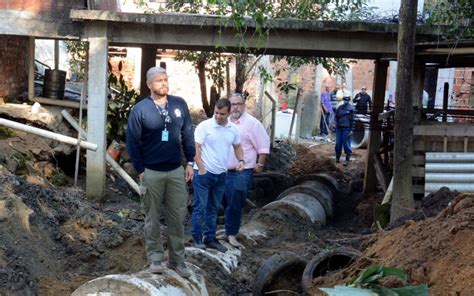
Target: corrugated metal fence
{"type": "Point", "coordinates": [451, 169]}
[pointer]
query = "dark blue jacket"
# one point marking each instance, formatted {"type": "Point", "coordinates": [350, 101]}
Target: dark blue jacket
{"type": "Point", "coordinates": [362, 101]}
{"type": "Point", "coordinates": [344, 116]}
{"type": "Point", "coordinates": [145, 126]}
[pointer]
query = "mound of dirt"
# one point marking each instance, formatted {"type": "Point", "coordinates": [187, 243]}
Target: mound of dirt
{"type": "Point", "coordinates": [437, 251]}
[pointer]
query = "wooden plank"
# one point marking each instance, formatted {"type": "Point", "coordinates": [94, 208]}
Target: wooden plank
{"type": "Point", "coordinates": [418, 172]}
{"type": "Point", "coordinates": [466, 141]}
{"type": "Point", "coordinates": [444, 130]}
{"type": "Point", "coordinates": [379, 173]}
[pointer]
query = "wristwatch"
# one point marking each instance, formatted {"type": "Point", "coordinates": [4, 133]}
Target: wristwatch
{"type": "Point", "coordinates": [190, 163]}
{"type": "Point", "coordinates": [241, 160]}
{"type": "Point", "coordinates": [260, 165]}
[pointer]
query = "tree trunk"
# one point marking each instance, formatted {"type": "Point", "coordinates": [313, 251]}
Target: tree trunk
{"type": "Point", "coordinates": [402, 201]}
{"type": "Point", "coordinates": [215, 95]}
{"type": "Point", "coordinates": [240, 63]}
{"type": "Point", "coordinates": [201, 68]}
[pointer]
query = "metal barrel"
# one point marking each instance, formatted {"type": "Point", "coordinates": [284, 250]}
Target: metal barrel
{"type": "Point", "coordinates": [54, 84]}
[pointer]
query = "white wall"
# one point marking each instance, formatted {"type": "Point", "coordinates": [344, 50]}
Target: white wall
{"type": "Point", "coordinates": [391, 7]}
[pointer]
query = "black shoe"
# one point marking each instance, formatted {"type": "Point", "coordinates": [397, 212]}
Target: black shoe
{"type": "Point", "coordinates": [346, 163]}
{"type": "Point", "coordinates": [337, 160]}
{"type": "Point", "coordinates": [216, 245]}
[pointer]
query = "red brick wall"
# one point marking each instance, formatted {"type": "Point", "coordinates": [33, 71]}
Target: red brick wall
{"type": "Point", "coordinates": [462, 87]}
{"type": "Point", "coordinates": [13, 65]}
{"type": "Point", "coordinates": [43, 5]}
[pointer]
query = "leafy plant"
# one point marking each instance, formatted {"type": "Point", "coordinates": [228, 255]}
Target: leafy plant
{"type": "Point", "coordinates": [457, 15]}
{"type": "Point", "coordinates": [368, 281]}
{"type": "Point", "coordinates": [77, 51]}
{"type": "Point", "coordinates": [120, 103]}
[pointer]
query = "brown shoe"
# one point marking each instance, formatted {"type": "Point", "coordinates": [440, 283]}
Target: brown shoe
{"type": "Point", "coordinates": [234, 242]}
{"type": "Point", "coordinates": [180, 269]}
{"type": "Point", "coordinates": [155, 267]}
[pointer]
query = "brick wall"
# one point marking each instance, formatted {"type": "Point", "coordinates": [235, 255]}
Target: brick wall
{"type": "Point", "coordinates": [43, 5]}
{"type": "Point", "coordinates": [462, 87]}
{"type": "Point", "coordinates": [13, 65]}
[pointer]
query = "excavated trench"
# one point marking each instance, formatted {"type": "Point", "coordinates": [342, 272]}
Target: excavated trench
{"type": "Point", "coordinates": [272, 235]}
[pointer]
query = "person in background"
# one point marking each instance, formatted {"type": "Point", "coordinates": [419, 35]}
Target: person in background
{"type": "Point", "coordinates": [158, 127]}
{"type": "Point", "coordinates": [214, 139]}
{"type": "Point", "coordinates": [334, 98]}
{"type": "Point", "coordinates": [344, 120]}
{"type": "Point", "coordinates": [256, 146]}
{"type": "Point", "coordinates": [363, 101]}
{"type": "Point", "coordinates": [326, 109]}
{"type": "Point", "coordinates": [341, 93]}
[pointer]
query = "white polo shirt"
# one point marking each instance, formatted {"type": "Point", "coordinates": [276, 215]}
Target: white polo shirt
{"type": "Point", "coordinates": [216, 141]}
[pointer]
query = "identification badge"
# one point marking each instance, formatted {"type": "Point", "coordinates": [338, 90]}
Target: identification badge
{"type": "Point", "coordinates": [164, 136]}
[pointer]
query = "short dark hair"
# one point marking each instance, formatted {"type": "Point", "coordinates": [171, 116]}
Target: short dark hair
{"type": "Point", "coordinates": [221, 103]}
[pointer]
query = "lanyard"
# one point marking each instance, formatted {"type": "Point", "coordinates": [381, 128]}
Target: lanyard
{"type": "Point", "coordinates": [164, 114]}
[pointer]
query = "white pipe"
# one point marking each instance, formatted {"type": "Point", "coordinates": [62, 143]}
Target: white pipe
{"type": "Point", "coordinates": [108, 158]}
{"type": "Point", "coordinates": [449, 178]}
{"type": "Point", "coordinates": [47, 134]}
{"type": "Point", "coordinates": [61, 103]}
{"type": "Point", "coordinates": [449, 168]}
{"type": "Point", "coordinates": [449, 157]}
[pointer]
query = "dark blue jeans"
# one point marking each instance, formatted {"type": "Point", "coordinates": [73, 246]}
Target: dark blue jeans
{"type": "Point", "coordinates": [343, 139]}
{"type": "Point", "coordinates": [237, 186]}
{"type": "Point", "coordinates": [325, 124]}
{"type": "Point", "coordinates": [208, 191]}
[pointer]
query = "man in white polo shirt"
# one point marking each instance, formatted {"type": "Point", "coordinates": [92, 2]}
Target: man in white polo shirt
{"type": "Point", "coordinates": [214, 138]}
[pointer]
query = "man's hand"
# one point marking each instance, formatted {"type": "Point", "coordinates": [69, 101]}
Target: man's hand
{"type": "Point", "coordinates": [258, 169]}
{"type": "Point", "coordinates": [189, 173]}
{"type": "Point", "coordinates": [202, 171]}
{"type": "Point", "coordinates": [240, 167]}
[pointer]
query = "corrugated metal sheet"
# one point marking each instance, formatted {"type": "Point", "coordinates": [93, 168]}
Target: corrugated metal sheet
{"type": "Point", "coordinates": [453, 170]}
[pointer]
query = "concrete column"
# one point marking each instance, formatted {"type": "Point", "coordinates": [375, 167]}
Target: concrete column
{"type": "Point", "coordinates": [380, 78]}
{"type": "Point", "coordinates": [96, 33]}
{"type": "Point", "coordinates": [148, 61]}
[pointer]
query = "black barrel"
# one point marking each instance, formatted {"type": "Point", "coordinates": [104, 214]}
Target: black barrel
{"type": "Point", "coordinates": [54, 84]}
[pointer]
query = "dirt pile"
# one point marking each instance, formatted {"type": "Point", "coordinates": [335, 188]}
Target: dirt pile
{"type": "Point", "coordinates": [56, 234]}
{"type": "Point", "coordinates": [437, 251]}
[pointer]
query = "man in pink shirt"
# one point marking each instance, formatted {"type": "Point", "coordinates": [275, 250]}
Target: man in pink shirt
{"type": "Point", "coordinates": [256, 146]}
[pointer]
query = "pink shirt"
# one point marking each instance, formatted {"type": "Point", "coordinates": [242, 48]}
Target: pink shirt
{"type": "Point", "coordinates": [254, 141]}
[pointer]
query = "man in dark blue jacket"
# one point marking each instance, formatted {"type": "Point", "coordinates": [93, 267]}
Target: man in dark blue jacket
{"type": "Point", "coordinates": [344, 120]}
{"type": "Point", "coordinates": [158, 127]}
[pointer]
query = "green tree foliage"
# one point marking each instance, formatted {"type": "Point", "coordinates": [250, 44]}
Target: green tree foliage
{"type": "Point", "coordinates": [457, 15]}
{"type": "Point", "coordinates": [77, 51]}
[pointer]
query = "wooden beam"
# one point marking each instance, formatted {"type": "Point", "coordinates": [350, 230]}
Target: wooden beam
{"type": "Point", "coordinates": [379, 173]}
{"type": "Point", "coordinates": [97, 114]}
{"type": "Point", "coordinates": [444, 130]}
{"type": "Point", "coordinates": [380, 80]}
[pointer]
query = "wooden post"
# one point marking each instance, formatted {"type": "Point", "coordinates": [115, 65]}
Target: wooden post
{"type": "Point", "coordinates": [148, 61]}
{"type": "Point", "coordinates": [380, 80]}
{"type": "Point", "coordinates": [418, 82]}
{"type": "Point", "coordinates": [96, 33]}
{"type": "Point", "coordinates": [445, 101]}
{"type": "Point", "coordinates": [402, 200]}
{"type": "Point", "coordinates": [31, 68]}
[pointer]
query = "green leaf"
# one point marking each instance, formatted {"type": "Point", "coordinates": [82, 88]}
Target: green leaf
{"type": "Point", "coordinates": [392, 271]}
{"type": "Point", "coordinates": [381, 290]}
{"type": "Point", "coordinates": [419, 290]}
{"type": "Point", "coordinates": [372, 272]}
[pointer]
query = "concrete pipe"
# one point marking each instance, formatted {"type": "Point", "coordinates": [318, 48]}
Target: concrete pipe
{"type": "Point", "coordinates": [280, 272]}
{"type": "Point", "coordinates": [312, 198]}
{"type": "Point", "coordinates": [325, 263]}
{"type": "Point", "coordinates": [145, 283]}
{"type": "Point", "coordinates": [360, 134]}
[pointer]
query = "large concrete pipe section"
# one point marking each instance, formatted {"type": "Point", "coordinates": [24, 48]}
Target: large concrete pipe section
{"type": "Point", "coordinates": [145, 283]}
{"type": "Point", "coordinates": [309, 202]}
{"type": "Point", "coordinates": [360, 134]}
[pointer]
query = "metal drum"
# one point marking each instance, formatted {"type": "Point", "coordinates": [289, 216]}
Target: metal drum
{"type": "Point", "coordinates": [54, 84]}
